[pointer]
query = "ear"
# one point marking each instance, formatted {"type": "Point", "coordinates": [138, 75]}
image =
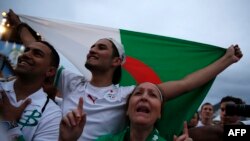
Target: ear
{"type": "Point", "coordinates": [51, 72]}
{"type": "Point", "coordinates": [116, 61]}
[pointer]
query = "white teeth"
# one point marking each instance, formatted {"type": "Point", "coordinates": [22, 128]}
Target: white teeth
{"type": "Point", "coordinates": [92, 57]}
{"type": "Point", "coordinates": [24, 63]}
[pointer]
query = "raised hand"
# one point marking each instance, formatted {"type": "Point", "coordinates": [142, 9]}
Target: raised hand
{"type": "Point", "coordinates": [72, 124]}
{"type": "Point", "coordinates": [184, 136]}
{"type": "Point", "coordinates": [10, 112]}
{"type": "Point", "coordinates": [13, 18]}
{"type": "Point", "coordinates": [234, 53]}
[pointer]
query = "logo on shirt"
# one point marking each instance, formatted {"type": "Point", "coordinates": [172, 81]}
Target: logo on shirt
{"type": "Point", "coordinates": [92, 98]}
{"type": "Point", "coordinates": [30, 118]}
{"type": "Point", "coordinates": [111, 96]}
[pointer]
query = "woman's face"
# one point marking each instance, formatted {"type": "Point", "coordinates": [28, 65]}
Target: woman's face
{"type": "Point", "coordinates": [145, 104]}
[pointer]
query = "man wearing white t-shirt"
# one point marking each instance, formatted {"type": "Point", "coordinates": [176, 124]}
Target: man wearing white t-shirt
{"type": "Point", "coordinates": [26, 109]}
{"type": "Point", "coordinates": [206, 115]}
{"type": "Point", "coordinates": [104, 99]}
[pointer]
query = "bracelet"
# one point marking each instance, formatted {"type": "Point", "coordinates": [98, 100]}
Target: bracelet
{"type": "Point", "coordinates": [7, 125]}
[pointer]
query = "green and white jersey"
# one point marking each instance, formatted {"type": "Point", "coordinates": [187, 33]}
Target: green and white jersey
{"type": "Point", "coordinates": [40, 119]}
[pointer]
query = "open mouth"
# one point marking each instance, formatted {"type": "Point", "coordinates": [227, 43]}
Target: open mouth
{"type": "Point", "coordinates": [92, 57]}
{"type": "Point", "coordinates": [23, 62]}
{"type": "Point", "coordinates": [142, 109]}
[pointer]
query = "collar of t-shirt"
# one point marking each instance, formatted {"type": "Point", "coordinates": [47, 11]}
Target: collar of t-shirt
{"type": "Point", "coordinates": [100, 92]}
{"type": "Point", "coordinates": [37, 99]}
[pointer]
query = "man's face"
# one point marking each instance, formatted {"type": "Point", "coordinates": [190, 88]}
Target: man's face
{"type": "Point", "coordinates": [227, 119]}
{"type": "Point", "coordinates": [35, 61]}
{"type": "Point", "coordinates": [207, 112]}
{"type": "Point", "coordinates": [100, 55]}
{"type": "Point", "coordinates": [144, 105]}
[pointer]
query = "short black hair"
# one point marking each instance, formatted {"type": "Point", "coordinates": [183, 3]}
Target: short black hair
{"type": "Point", "coordinates": [231, 98]}
{"type": "Point", "coordinates": [207, 103]}
{"type": "Point", "coordinates": [55, 59]}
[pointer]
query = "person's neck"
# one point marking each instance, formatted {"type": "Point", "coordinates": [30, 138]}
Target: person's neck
{"type": "Point", "coordinates": [140, 133]}
{"type": "Point", "coordinates": [26, 87]}
{"type": "Point", "coordinates": [101, 79]}
{"type": "Point", "coordinates": [206, 121]}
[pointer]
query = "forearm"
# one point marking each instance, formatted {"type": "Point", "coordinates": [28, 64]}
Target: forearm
{"type": "Point", "coordinates": [25, 36]}
{"type": "Point", "coordinates": [196, 79]}
{"type": "Point", "coordinates": [206, 74]}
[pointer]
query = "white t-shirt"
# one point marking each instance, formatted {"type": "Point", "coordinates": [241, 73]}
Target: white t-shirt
{"type": "Point", "coordinates": [200, 124]}
{"type": "Point", "coordinates": [104, 106]}
{"type": "Point", "coordinates": [3, 134]}
{"type": "Point", "coordinates": [35, 124]}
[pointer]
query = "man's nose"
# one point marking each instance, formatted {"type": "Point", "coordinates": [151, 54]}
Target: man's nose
{"type": "Point", "coordinates": [27, 54]}
{"type": "Point", "coordinates": [93, 49]}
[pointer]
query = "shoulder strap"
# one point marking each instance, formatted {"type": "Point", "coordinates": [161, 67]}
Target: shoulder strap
{"type": "Point", "coordinates": [46, 103]}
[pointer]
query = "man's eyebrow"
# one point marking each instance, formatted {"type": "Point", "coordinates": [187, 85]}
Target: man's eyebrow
{"type": "Point", "coordinates": [39, 50]}
{"type": "Point", "coordinates": [103, 44]}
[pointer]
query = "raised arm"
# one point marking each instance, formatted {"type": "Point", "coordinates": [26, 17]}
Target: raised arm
{"type": "Point", "coordinates": [173, 89]}
{"type": "Point", "coordinates": [26, 33]}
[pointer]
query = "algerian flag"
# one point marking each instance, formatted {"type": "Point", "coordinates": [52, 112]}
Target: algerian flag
{"type": "Point", "coordinates": [149, 58]}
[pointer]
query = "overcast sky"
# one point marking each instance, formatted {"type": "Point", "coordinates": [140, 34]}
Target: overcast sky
{"type": "Point", "coordinates": [219, 23]}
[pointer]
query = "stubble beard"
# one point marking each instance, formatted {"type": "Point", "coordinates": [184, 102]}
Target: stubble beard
{"type": "Point", "coordinates": [95, 68]}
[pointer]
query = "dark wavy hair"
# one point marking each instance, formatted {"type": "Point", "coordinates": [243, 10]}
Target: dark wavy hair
{"type": "Point", "coordinates": [118, 71]}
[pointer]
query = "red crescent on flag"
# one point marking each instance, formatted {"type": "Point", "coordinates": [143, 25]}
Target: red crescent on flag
{"type": "Point", "coordinates": [142, 72]}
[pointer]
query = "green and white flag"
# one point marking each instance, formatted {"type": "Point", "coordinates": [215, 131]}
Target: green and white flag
{"type": "Point", "coordinates": [149, 58]}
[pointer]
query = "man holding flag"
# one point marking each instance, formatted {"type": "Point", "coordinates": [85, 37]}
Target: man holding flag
{"type": "Point", "coordinates": [104, 99]}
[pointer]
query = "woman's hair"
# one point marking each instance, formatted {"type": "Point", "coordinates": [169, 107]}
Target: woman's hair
{"type": "Point", "coordinates": [129, 97]}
